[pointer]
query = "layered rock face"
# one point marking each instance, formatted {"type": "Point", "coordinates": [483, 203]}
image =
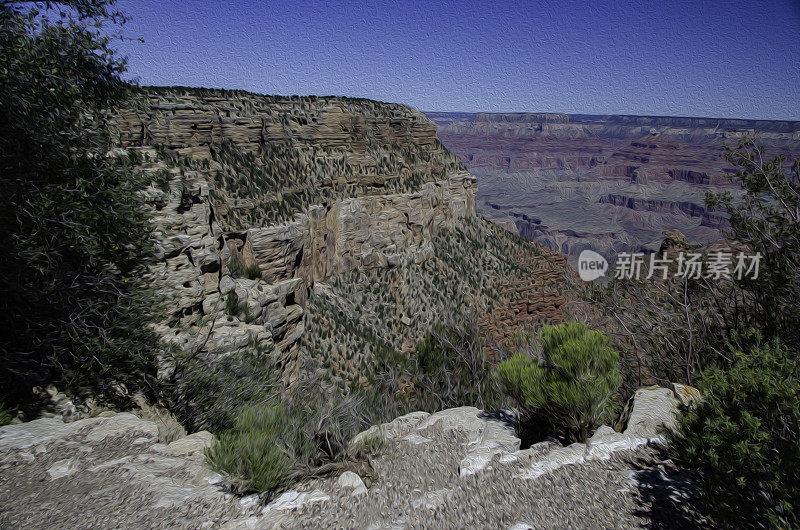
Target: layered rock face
{"type": "Point", "coordinates": [187, 118]}
{"type": "Point", "coordinates": [607, 183]}
{"type": "Point", "coordinates": [255, 199]}
{"type": "Point", "coordinates": [362, 232]}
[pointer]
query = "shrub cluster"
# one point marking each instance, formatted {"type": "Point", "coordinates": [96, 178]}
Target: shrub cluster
{"type": "Point", "coordinates": [239, 270]}
{"type": "Point", "coordinates": [262, 448]}
{"type": "Point", "coordinates": [448, 368]}
{"type": "Point", "coordinates": [744, 438]}
{"type": "Point", "coordinates": [293, 433]}
{"type": "Point", "coordinates": [568, 388]}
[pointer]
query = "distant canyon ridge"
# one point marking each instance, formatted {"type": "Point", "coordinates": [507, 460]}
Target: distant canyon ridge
{"type": "Point", "coordinates": [607, 183]}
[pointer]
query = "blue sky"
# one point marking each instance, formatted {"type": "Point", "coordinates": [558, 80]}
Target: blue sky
{"type": "Point", "coordinates": [686, 58]}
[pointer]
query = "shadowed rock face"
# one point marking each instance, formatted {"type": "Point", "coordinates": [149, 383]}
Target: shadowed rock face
{"type": "Point", "coordinates": [606, 183]}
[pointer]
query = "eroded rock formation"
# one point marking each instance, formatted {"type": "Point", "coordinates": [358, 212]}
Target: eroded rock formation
{"type": "Point", "coordinates": [607, 183]}
{"type": "Point", "coordinates": [256, 198]}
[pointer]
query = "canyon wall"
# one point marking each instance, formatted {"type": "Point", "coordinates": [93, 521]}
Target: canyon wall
{"type": "Point", "coordinates": [606, 183]}
{"type": "Point", "coordinates": [232, 279]}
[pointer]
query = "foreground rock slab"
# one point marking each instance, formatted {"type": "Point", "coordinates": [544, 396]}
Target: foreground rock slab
{"type": "Point", "coordinates": [457, 468]}
{"type": "Point", "coordinates": [107, 472]}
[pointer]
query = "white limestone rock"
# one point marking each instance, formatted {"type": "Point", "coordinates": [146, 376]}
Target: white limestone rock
{"type": "Point", "coordinates": [351, 481]}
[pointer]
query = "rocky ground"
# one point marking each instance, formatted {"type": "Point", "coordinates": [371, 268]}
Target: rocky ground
{"type": "Point", "coordinates": [458, 468]}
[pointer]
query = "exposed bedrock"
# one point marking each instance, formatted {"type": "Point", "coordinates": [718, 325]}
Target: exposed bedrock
{"type": "Point", "coordinates": [191, 118]}
{"type": "Point", "coordinates": [456, 468]}
{"type": "Point", "coordinates": [234, 281]}
{"type": "Point", "coordinates": [711, 219]}
{"type": "Point", "coordinates": [364, 232]}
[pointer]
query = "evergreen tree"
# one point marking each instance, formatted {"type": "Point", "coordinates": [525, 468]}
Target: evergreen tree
{"type": "Point", "coordinates": [72, 227]}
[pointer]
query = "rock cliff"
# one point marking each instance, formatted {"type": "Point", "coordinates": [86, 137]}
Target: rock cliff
{"type": "Point", "coordinates": [256, 199]}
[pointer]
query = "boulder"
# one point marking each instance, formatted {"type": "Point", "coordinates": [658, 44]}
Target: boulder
{"type": "Point", "coordinates": [194, 444]}
{"type": "Point", "coordinates": [489, 435]}
{"type": "Point", "coordinates": [351, 481]}
{"type": "Point", "coordinates": [687, 395]}
{"type": "Point", "coordinates": [653, 408]}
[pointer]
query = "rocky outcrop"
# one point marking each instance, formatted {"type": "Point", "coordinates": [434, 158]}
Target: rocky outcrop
{"type": "Point", "coordinates": [186, 118]}
{"type": "Point", "coordinates": [237, 275]}
{"type": "Point", "coordinates": [363, 232]}
{"type": "Point", "coordinates": [111, 471]}
{"type": "Point", "coordinates": [454, 468]}
{"type": "Point", "coordinates": [464, 468]}
{"type": "Point", "coordinates": [708, 218]}
{"type": "Point", "coordinates": [218, 313]}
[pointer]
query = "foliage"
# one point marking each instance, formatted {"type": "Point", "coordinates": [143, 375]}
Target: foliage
{"type": "Point", "coordinates": [668, 329]}
{"type": "Point", "coordinates": [232, 303]}
{"type": "Point", "coordinates": [296, 433]}
{"type": "Point", "coordinates": [70, 219]}
{"type": "Point", "coordinates": [208, 393]}
{"type": "Point", "coordinates": [371, 444]}
{"type": "Point", "coordinates": [448, 368]}
{"type": "Point", "coordinates": [259, 448]}
{"type": "Point", "coordinates": [239, 270]}
{"type": "Point", "coordinates": [569, 387]}
{"type": "Point", "coordinates": [6, 415]}
{"type": "Point", "coordinates": [767, 221]}
{"type": "Point", "coordinates": [674, 328]}
{"type": "Point", "coordinates": [744, 438]}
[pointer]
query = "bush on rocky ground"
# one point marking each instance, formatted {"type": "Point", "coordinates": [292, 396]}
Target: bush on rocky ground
{"type": "Point", "coordinates": [568, 387]}
{"type": "Point", "coordinates": [240, 270]}
{"type": "Point", "coordinates": [744, 439]}
{"type": "Point", "coordinates": [261, 449]}
{"type": "Point", "coordinates": [300, 432]}
{"type": "Point", "coordinates": [448, 368]}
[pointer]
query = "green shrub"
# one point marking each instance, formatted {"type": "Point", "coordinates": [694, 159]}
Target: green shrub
{"type": "Point", "coordinates": [238, 269]}
{"type": "Point", "coordinates": [744, 438]}
{"type": "Point", "coordinates": [569, 387]}
{"type": "Point", "coordinates": [6, 415]}
{"type": "Point", "coordinates": [260, 448]}
{"type": "Point", "coordinates": [292, 433]}
{"type": "Point", "coordinates": [232, 303]}
{"type": "Point", "coordinates": [766, 221]}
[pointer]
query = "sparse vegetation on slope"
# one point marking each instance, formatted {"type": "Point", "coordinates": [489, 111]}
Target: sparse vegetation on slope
{"type": "Point", "coordinates": [286, 178]}
{"type": "Point", "coordinates": [422, 336]}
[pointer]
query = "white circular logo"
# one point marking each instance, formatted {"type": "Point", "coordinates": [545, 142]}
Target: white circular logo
{"type": "Point", "coordinates": [591, 265]}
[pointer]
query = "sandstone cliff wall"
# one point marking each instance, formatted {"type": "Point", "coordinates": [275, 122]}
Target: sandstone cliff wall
{"type": "Point", "coordinates": [191, 118]}
{"type": "Point", "coordinates": [368, 232]}
{"type": "Point", "coordinates": [218, 304]}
